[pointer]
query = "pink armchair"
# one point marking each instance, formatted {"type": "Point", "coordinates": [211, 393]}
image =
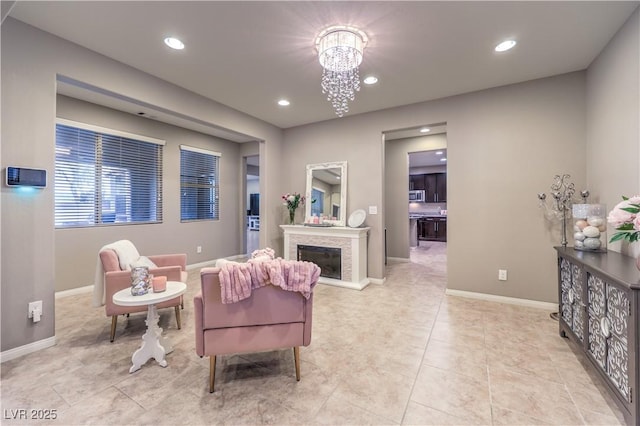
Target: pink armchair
{"type": "Point", "coordinates": [172, 266]}
{"type": "Point", "coordinates": [271, 318]}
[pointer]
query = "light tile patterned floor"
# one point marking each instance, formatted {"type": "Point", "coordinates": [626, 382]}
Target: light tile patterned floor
{"type": "Point", "coordinates": [398, 353]}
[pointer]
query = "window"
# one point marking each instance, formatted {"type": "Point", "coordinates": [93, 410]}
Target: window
{"type": "Point", "coordinates": [199, 184]}
{"type": "Point", "coordinates": [106, 177]}
{"type": "Point", "coordinates": [317, 207]}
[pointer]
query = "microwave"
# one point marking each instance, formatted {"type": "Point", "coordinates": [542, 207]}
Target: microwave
{"type": "Point", "coordinates": [416, 196]}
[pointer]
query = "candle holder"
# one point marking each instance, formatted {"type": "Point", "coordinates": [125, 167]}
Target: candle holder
{"type": "Point", "coordinates": [562, 192]}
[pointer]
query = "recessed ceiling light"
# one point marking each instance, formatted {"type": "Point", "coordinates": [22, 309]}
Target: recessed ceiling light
{"type": "Point", "coordinates": [284, 102]}
{"type": "Point", "coordinates": [439, 152]}
{"type": "Point", "coordinates": [505, 45]}
{"type": "Point", "coordinates": [174, 43]}
{"type": "Point", "coordinates": [425, 130]}
{"type": "Point", "coordinates": [370, 80]}
{"type": "Point", "coordinates": [443, 159]}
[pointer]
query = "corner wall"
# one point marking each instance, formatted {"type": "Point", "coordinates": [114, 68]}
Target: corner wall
{"type": "Point", "coordinates": [31, 61]}
{"type": "Point", "coordinates": [504, 146]}
{"type": "Point", "coordinates": [76, 248]}
{"type": "Point", "coordinates": [613, 121]}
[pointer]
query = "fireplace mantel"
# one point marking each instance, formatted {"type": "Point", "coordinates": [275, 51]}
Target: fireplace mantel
{"type": "Point", "coordinates": [351, 241]}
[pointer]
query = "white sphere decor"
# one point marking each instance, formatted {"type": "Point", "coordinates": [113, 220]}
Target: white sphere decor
{"type": "Point", "coordinates": [591, 232]}
{"type": "Point", "coordinates": [592, 243]}
{"type": "Point", "coordinates": [590, 227]}
{"type": "Point", "coordinates": [595, 221]}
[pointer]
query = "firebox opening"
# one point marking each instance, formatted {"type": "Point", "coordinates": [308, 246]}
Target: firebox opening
{"type": "Point", "coordinates": [328, 259]}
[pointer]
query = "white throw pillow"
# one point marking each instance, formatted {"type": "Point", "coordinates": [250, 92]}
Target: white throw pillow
{"type": "Point", "coordinates": [127, 253]}
{"type": "Point", "coordinates": [144, 261]}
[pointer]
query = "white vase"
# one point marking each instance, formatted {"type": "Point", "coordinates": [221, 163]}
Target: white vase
{"type": "Point", "coordinates": [634, 251]}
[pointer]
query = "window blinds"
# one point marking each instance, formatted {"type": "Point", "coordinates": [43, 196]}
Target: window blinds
{"type": "Point", "coordinates": [199, 184]}
{"type": "Point", "coordinates": [106, 177]}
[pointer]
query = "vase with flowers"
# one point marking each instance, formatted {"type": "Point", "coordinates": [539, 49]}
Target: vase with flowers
{"type": "Point", "coordinates": [625, 218]}
{"type": "Point", "coordinates": [292, 201]}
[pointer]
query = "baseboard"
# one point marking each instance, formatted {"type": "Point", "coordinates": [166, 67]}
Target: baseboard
{"type": "Point", "coordinates": [398, 259]}
{"type": "Point", "coordinates": [14, 353]}
{"type": "Point", "coordinates": [503, 299]}
{"type": "Point", "coordinates": [74, 291]}
{"type": "Point", "coordinates": [377, 280]}
{"type": "Point", "coordinates": [213, 262]}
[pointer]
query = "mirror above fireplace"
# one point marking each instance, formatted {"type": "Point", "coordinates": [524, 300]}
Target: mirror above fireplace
{"type": "Point", "coordinates": [327, 185]}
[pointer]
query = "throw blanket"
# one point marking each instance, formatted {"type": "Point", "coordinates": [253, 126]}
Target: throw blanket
{"type": "Point", "coordinates": [237, 280]}
{"type": "Point", "coordinates": [127, 254]}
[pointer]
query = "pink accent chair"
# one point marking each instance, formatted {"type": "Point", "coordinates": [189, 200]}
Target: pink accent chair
{"type": "Point", "coordinates": [271, 318]}
{"type": "Point", "coordinates": [172, 266]}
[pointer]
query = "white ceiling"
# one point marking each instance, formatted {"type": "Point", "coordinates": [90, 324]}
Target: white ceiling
{"type": "Point", "coordinates": [247, 55]}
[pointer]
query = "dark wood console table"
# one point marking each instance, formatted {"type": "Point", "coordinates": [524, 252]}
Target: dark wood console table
{"type": "Point", "coordinates": [599, 296]}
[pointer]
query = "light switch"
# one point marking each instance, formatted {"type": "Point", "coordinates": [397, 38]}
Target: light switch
{"type": "Point", "coordinates": [373, 209]}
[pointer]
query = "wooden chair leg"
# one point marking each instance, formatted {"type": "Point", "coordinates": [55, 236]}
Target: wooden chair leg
{"type": "Point", "coordinates": [178, 319]}
{"type": "Point", "coordinates": [114, 322]}
{"type": "Point", "coordinates": [212, 372]}
{"type": "Point", "coordinates": [296, 357]}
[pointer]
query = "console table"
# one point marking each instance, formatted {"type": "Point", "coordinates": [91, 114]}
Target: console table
{"type": "Point", "coordinates": [599, 301]}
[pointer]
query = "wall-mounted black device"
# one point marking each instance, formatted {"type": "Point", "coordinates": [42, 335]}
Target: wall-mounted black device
{"type": "Point", "coordinates": [20, 176]}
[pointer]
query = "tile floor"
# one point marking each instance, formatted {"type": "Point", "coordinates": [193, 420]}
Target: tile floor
{"type": "Point", "coordinates": [398, 353]}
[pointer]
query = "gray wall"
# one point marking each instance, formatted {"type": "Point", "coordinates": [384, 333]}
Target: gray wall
{"type": "Point", "coordinates": [613, 120]}
{"type": "Point", "coordinates": [76, 249]}
{"type": "Point", "coordinates": [31, 60]}
{"type": "Point", "coordinates": [504, 145]}
{"type": "Point", "coordinates": [396, 188]}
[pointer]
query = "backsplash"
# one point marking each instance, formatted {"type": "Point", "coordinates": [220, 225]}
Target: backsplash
{"type": "Point", "coordinates": [427, 207]}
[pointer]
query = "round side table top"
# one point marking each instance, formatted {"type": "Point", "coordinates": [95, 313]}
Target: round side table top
{"type": "Point", "coordinates": [125, 298]}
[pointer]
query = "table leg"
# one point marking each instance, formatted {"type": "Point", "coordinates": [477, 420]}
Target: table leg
{"type": "Point", "coordinates": [153, 344]}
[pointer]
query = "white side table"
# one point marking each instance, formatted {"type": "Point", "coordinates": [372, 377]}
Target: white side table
{"type": "Point", "coordinates": [153, 344]}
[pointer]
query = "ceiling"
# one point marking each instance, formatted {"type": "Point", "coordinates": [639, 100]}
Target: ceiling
{"type": "Point", "coordinates": [247, 55]}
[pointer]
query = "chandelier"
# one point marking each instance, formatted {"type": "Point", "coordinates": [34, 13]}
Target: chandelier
{"type": "Point", "coordinates": [340, 52]}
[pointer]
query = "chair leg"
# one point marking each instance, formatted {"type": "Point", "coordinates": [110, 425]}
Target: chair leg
{"type": "Point", "coordinates": [296, 357]}
{"type": "Point", "coordinates": [114, 322]}
{"type": "Point", "coordinates": [178, 319]}
{"type": "Point", "coordinates": [212, 372]}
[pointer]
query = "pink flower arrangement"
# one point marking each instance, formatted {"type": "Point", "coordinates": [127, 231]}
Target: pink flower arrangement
{"type": "Point", "coordinates": [293, 201]}
{"type": "Point", "coordinates": [625, 218]}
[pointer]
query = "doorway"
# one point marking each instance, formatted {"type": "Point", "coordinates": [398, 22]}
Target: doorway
{"type": "Point", "coordinates": [415, 190]}
{"type": "Point", "coordinates": [252, 197]}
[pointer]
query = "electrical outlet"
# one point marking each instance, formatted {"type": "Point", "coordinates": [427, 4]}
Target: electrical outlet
{"type": "Point", "coordinates": [199, 249]}
{"type": "Point", "coordinates": [373, 209]}
{"type": "Point", "coordinates": [502, 274]}
{"type": "Point", "coordinates": [35, 310]}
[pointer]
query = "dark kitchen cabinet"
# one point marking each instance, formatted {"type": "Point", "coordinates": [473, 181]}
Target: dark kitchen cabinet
{"type": "Point", "coordinates": [432, 229]}
{"type": "Point", "coordinates": [416, 182]}
{"type": "Point", "coordinates": [436, 187]}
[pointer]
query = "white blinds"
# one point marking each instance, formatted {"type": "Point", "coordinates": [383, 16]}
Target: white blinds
{"type": "Point", "coordinates": [105, 178]}
{"type": "Point", "coordinates": [199, 184]}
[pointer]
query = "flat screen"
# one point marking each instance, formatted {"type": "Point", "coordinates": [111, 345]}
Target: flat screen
{"type": "Point", "coordinates": [20, 176]}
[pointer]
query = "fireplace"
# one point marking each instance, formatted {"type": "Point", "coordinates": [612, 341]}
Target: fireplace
{"type": "Point", "coordinates": [345, 248]}
{"type": "Point", "coordinates": [327, 258]}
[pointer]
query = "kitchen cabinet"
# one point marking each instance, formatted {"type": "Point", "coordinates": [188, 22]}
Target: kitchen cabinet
{"type": "Point", "coordinates": [432, 229]}
{"type": "Point", "coordinates": [599, 295]}
{"type": "Point", "coordinates": [416, 182]}
{"type": "Point", "coordinates": [436, 187]}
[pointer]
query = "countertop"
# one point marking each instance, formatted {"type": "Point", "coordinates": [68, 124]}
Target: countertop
{"type": "Point", "coordinates": [423, 215]}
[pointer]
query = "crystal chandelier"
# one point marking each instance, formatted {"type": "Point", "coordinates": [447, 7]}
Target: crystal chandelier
{"type": "Point", "coordinates": [340, 52]}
